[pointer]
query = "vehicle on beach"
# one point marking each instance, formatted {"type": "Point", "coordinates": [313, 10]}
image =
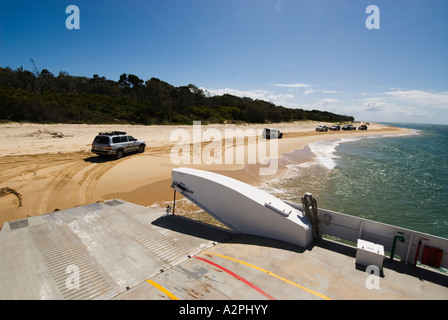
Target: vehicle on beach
{"type": "Point", "coordinates": [335, 128]}
{"type": "Point", "coordinates": [116, 143]}
{"type": "Point", "coordinates": [349, 127]}
{"type": "Point", "coordinates": [363, 127]}
{"type": "Point", "coordinates": [322, 128]}
{"type": "Point", "coordinates": [271, 133]}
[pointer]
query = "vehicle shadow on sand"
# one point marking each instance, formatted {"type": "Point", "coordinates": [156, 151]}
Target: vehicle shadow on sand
{"type": "Point", "coordinates": [99, 159]}
{"type": "Point", "coordinates": [104, 159]}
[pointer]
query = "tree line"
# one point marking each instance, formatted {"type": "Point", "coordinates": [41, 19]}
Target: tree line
{"type": "Point", "coordinates": [43, 97]}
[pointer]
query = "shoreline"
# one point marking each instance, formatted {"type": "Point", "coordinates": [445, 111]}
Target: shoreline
{"type": "Point", "coordinates": [49, 180]}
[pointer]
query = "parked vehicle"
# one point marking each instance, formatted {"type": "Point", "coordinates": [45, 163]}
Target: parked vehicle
{"type": "Point", "coordinates": [363, 127]}
{"type": "Point", "coordinates": [349, 127]}
{"type": "Point", "coordinates": [116, 143]}
{"type": "Point", "coordinates": [271, 133]}
{"type": "Point", "coordinates": [322, 128]}
{"type": "Point", "coordinates": [335, 128]}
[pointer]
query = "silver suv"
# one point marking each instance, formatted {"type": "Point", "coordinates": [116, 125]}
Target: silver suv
{"type": "Point", "coordinates": [270, 133]}
{"type": "Point", "coordinates": [116, 143]}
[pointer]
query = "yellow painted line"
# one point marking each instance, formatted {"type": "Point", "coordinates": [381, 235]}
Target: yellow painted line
{"type": "Point", "coordinates": [271, 274]}
{"type": "Point", "coordinates": [158, 286]}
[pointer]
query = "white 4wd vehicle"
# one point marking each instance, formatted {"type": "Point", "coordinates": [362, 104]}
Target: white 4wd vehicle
{"type": "Point", "coordinates": [116, 143]}
{"type": "Point", "coordinates": [271, 133]}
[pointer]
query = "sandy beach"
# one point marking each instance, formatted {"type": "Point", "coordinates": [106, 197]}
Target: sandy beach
{"type": "Point", "coordinates": [50, 167]}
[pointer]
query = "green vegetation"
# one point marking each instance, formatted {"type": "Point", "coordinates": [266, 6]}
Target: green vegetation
{"type": "Point", "coordinates": [43, 97]}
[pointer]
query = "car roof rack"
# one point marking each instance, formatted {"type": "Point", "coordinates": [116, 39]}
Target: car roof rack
{"type": "Point", "coordinates": [113, 133]}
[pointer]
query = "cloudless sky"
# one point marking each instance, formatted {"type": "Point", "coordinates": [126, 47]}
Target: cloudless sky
{"type": "Point", "coordinates": [312, 54]}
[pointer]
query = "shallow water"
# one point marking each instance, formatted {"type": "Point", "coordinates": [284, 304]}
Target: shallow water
{"type": "Point", "coordinates": [400, 180]}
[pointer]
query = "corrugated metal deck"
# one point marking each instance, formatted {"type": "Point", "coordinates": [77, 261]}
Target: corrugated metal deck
{"type": "Point", "coordinates": [120, 250]}
{"type": "Point", "coordinates": [110, 247]}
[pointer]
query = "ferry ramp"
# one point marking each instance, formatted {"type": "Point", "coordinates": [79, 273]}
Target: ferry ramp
{"type": "Point", "coordinates": [119, 250]}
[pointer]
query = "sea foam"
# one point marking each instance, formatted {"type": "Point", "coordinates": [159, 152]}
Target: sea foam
{"type": "Point", "coordinates": [325, 151]}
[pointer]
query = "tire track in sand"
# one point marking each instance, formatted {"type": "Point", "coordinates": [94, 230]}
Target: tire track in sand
{"type": "Point", "coordinates": [87, 184]}
{"type": "Point", "coordinates": [84, 174]}
{"type": "Point", "coordinates": [51, 191]}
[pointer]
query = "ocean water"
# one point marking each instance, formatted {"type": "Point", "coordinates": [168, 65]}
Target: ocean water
{"type": "Point", "coordinates": [399, 180]}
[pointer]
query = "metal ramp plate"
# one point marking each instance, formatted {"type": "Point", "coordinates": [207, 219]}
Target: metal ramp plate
{"type": "Point", "coordinates": [95, 251]}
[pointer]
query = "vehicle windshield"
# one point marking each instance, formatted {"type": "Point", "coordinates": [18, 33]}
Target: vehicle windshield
{"type": "Point", "coordinates": [101, 140]}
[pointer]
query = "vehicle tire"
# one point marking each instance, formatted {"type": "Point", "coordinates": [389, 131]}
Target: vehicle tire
{"type": "Point", "coordinates": [119, 154]}
{"type": "Point", "coordinates": [141, 148]}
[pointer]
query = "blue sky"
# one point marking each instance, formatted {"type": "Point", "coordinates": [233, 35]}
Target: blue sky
{"type": "Point", "coordinates": [311, 54]}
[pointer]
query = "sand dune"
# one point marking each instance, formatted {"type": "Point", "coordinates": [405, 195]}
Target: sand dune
{"type": "Point", "coordinates": [50, 167]}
